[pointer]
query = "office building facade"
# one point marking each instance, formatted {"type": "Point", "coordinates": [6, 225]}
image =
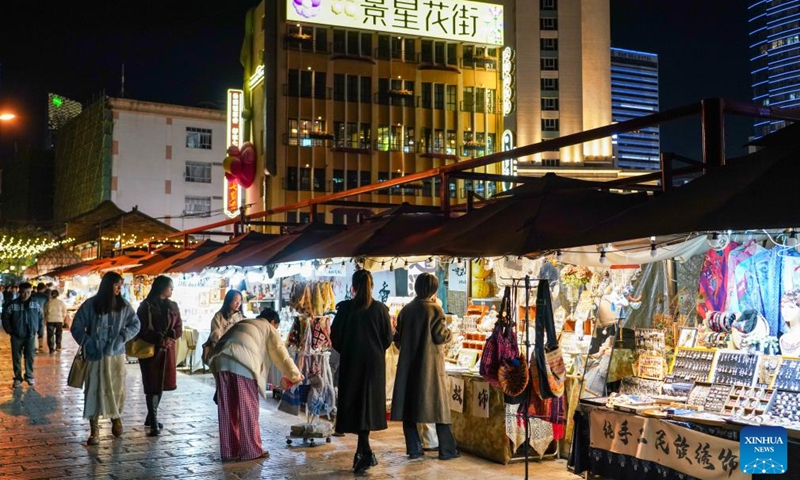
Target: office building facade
{"type": "Point", "coordinates": [634, 93]}
{"type": "Point", "coordinates": [358, 93]}
{"type": "Point", "coordinates": [775, 57]}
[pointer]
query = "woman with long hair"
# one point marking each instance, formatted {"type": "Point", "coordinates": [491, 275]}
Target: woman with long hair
{"type": "Point", "coordinates": [228, 314]}
{"type": "Point", "coordinates": [361, 332]}
{"type": "Point", "coordinates": [162, 326]}
{"type": "Point", "coordinates": [103, 325]}
{"type": "Point", "coordinates": [420, 388]}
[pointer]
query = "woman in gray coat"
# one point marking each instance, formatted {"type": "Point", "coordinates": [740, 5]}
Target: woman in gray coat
{"type": "Point", "coordinates": [420, 387]}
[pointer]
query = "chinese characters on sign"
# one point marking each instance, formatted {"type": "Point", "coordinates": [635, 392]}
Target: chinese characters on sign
{"type": "Point", "coordinates": [456, 397]}
{"type": "Point", "coordinates": [455, 20]}
{"type": "Point", "coordinates": [233, 192]}
{"type": "Point", "coordinates": [675, 447]}
{"type": "Point", "coordinates": [479, 400]}
{"type": "Point", "coordinates": [457, 277]}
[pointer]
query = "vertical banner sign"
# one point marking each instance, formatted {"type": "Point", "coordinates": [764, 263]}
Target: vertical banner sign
{"type": "Point", "coordinates": [456, 398]}
{"type": "Point", "coordinates": [509, 87]}
{"type": "Point", "coordinates": [510, 164]}
{"type": "Point", "coordinates": [233, 192]}
{"type": "Point", "coordinates": [457, 277]}
{"type": "Point", "coordinates": [479, 402]}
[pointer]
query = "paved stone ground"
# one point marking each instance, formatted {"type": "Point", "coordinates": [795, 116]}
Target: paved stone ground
{"type": "Point", "coordinates": [43, 435]}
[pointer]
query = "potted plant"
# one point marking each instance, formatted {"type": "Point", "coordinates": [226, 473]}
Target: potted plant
{"type": "Point", "coordinates": [473, 145]}
{"type": "Point", "coordinates": [298, 36]}
{"type": "Point", "coordinates": [321, 135]}
{"type": "Point", "coordinates": [400, 92]}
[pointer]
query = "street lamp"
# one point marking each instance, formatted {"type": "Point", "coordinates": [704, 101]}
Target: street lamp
{"type": "Point", "coordinates": [6, 116]}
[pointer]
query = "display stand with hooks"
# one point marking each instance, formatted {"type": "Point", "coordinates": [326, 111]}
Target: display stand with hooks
{"type": "Point", "coordinates": [516, 284]}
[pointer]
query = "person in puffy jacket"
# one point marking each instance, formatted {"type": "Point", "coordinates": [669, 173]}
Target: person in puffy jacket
{"type": "Point", "coordinates": [240, 362]}
{"type": "Point", "coordinates": [22, 319]}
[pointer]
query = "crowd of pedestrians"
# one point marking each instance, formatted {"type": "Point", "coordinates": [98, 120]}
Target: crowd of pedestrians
{"type": "Point", "coordinates": [240, 352]}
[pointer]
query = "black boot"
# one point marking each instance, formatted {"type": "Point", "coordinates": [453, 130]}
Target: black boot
{"type": "Point", "coordinates": [148, 419]}
{"type": "Point", "coordinates": [363, 461]}
{"type": "Point", "coordinates": [155, 427]}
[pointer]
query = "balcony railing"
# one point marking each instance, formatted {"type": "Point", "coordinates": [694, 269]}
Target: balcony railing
{"type": "Point", "coordinates": [290, 90]}
{"type": "Point", "coordinates": [396, 99]}
{"type": "Point", "coordinates": [399, 55]}
{"type": "Point", "coordinates": [307, 140]}
{"type": "Point", "coordinates": [473, 107]}
{"type": "Point", "coordinates": [488, 63]}
{"type": "Point", "coordinates": [305, 45]}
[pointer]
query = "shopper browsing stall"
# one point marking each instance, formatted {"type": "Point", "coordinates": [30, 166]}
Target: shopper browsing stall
{"type": "Point", "coordinates": [361, 333]}
{"type": "Point", "coordinates": [239, 362]}
{"type": "Point", "coordinates": [229, 314]}
{"type": "Point", "coordinates": [420, 389]}
{"type": "Point", "coordinates": [161, 326]}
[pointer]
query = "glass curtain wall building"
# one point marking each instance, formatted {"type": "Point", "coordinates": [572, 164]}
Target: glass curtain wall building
{"type": "Point", "coordinates": [634, 93]}
{"type": "Point", "coordinates": [775, 56]}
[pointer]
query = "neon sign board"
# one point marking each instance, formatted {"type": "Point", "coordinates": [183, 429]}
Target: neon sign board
{"type": "Point", "coordinates": [233, 192]}
{"type": "Point", "coordinates": [454, 20]}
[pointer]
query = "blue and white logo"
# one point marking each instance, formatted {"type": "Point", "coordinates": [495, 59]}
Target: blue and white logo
{"type": "Point", "coordinates": [763, 450]}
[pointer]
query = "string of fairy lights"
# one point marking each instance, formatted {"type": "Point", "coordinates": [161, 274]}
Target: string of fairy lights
{"type": "Point", "coordinates": [19, 247]}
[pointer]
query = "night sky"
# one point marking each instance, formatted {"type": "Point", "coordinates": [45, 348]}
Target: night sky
{"type": "Point", "coordinates": [187, 53]}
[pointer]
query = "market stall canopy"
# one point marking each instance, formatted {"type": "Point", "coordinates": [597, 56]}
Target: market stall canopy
{"type": "Point", "coordinates": [375, 236]}
{"type": "Point", "coordinates": [167, 265]}
{"type": "Point", "coordinates": [756, 191]}
{"type": "Point", "coordinates": [232, 252]}
{"type": "Point", "coordinates": [107, 219]}
{"type": "Point", "coordinates": [278, 249]}
{"type": "Point", "coordinates": [100, 265]}
{"type": "Point", "coordinates": [526, 219]}
{"type": "Point", "coordinates": [51, 260]}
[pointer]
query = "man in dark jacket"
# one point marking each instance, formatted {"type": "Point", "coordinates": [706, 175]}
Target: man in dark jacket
{"type": "Point", "coordinates": [41, 296]}
{"type": "Point", "coordinates": [23, 321]}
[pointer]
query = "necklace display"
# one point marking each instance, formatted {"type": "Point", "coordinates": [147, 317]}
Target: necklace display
{"type": "Point", "coordinates": [790, 345]}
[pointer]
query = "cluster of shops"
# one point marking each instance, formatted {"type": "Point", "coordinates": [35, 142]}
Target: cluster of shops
{"type": "Point", "coordinates": [672, 341]}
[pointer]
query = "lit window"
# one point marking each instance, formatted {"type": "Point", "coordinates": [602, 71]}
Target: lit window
{"type": "Point", "coordinates": [197, 172]}
{"type": "Point", "coordinates": [198, 138]}
{"type": "Point", "coordinates": [197, 206]}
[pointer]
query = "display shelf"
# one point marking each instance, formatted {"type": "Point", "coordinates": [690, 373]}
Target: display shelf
{"type": "Point", "coordinates": [746, 401]}
{"type": "Point", "coordinates": [735, 367]}
{"type": "Point", "coordinates": [692, 364]}
{"type": "Point", "coordinates": [788, 377]}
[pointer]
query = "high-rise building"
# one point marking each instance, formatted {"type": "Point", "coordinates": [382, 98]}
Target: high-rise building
{"type": "Point", "coordinates": [164, 160]}
{"type": "Point", "coordinates": [358, 93]}
{"type": "Point", "coordinates": [634, 93]}
{"type": "Point", "coordinates": [775, 57]}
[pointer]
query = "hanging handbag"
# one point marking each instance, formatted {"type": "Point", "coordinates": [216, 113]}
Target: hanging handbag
{"type": "Point", "coordinates": [138, 348]}
{"type": "Point", "coordinates": [513, 372]}
{"type": "Point", "coordinates": [496, 349]}
{"type": "Point", "coordinates": [79, 369]}
{"type": "Point", "coordinates": [548, 372]}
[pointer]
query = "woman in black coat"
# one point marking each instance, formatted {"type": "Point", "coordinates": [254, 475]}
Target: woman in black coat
{"type": "Point", "coordinates": [160, 320]}
{"type": "Point", "coordinates": [361, 333]}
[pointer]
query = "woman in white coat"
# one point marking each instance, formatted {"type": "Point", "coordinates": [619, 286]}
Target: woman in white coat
{"type": "Point", "coordinates": [240, 362]}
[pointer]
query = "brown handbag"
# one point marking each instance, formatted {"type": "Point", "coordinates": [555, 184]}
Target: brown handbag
{"type": "Point", "coordinates": [138, 348]}
{"type": "Point", "coordinates": [78, 370]}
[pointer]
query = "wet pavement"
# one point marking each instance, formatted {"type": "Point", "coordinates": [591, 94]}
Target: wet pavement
{"type": "Point", "coordinates": [43, 435]}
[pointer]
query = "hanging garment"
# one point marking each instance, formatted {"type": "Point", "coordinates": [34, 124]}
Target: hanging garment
{"type": "Point", "coordinates": [321, 395]}
{"type": "Point", "coordinates": [712, 279]}
{"type": "Point", "coordinates": [748, 274]}
{"type": "Point", "coordinates": [735, 258]}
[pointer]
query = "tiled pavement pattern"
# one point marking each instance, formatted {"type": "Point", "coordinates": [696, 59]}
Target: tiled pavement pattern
{"type": "Point", "coordinates": [43, 435]}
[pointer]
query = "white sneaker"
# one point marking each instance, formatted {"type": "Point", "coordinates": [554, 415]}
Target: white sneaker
{"type": "Point", "coordinates": [17, 383]}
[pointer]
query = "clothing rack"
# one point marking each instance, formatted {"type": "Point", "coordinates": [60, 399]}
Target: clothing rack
{"type": "Point", "coordinates": [526, 284]}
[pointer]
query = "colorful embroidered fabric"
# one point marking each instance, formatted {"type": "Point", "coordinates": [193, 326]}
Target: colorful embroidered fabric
{"type": "Point", "coordinates": [712, 280]}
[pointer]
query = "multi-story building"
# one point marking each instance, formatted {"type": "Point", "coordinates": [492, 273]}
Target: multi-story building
{"type": "Point", "coordinates": [165, 160]}
{"type": "Point", "coordinates": [361, 92]}
{"type": "Point", "coordinates": [775, 57]}
{"type": "Point", "coordinates": [634, 93]}
{"type": "Point", "coordinates": [60, 110]}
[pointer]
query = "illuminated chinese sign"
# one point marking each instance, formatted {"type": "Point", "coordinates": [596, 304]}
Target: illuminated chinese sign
{"type": "Point", "coordinates": [458, 20]}
{"type": "Point", "coordinates": [233, 192]}
{"type": "Point", "coordinates": [510, 164]}
{"type": "Point", "coordinates": [509, 89]}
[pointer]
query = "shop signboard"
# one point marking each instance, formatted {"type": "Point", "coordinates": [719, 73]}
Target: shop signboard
{"type": "Point", "coordinates": [678, 448]}
{"type": "Point", "coordinates": [452, 20]}
{"type": "Point", "coordinates": [233, 191]}
{"type": "Point", "coordinates": [480, 399]}
{"type": "Point", "coordinates": [456, 397]}
{"type": "Point", "coordinates": [457, 277]}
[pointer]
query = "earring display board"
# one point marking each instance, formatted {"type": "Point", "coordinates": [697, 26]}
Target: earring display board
{"type": "Point", "coordinates": [785, 404]}
{"type": "Point", "coordinates": [692, 364]}
{"type": "Point", "coordinates": [748, 401]}
{"type": "Point", "coordinates": [735, 368]}
{"type": "Point", "coordinates": [711, 396]}
{"type": "Point", "coordinates": [650, 366]}
{"type": "Point", "coordinates": [650, 340]}
{"type": "Point", "coordinates": [788, 377]}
